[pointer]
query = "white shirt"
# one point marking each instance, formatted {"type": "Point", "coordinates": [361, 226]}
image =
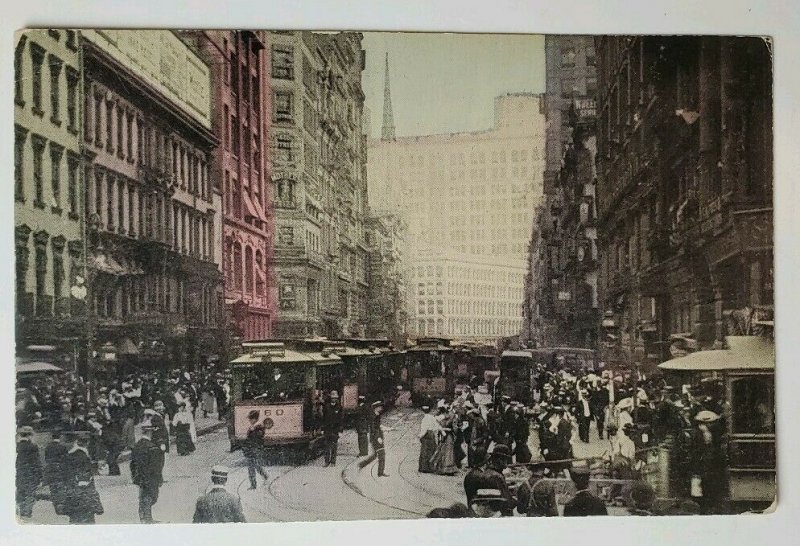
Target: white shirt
{"type": "Point", "coordinates": [429, 423]}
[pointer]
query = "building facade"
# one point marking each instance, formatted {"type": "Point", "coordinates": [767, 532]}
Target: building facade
{"type": "Point", "coordinates": [684, 188]}
{"type": "Point", "coordinates": [469, 196]}
{"type": "Point", "coordinates": [48, 193]}
{"type": "Point", "coordinates": [153, 209]}
{"type": "Point", "coordinates": [241, 117]}
{"type": "Point", "coordinates": [386, 307]}
{"type": "Point", "coordinates": [463, 297]}
{"type": "Point", "coordinates": [319, 183]}
{"type": "Point", "coordinates": [561, 302]}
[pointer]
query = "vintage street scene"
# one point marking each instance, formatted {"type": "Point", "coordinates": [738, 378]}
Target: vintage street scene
{"type": "Point", "coordinates": [275, 276]}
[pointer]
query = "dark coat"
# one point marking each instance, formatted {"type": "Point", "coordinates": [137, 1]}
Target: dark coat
{"type": "Point", "coordinates": [29, 466]}
{"type": "Point", "coordinates": [585, 504]}
{"type": "Point", "coordinates": [332, 419]}
{"type": "Point", "coordinates": [376, 433]}
{"type": "Point", "coordinates": [363, 421]}
{"type": "Point", "coordinates": [55, 463]}
{"type": "Point", "coordinates": [160, 431]}
{"type": "Point", "coordinates": [254, 443]}
{"type": "Point", "coordinates": [486, 478]}
{"type": "Point", "coordinates": [83, 501]}
{"type": "Point", "coordinates": [218, 506]}
{"type": "Point", "coordinates": [147, 463]}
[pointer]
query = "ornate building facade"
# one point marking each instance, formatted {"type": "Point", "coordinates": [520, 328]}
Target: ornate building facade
{"type": "Point", "coordinates": [386, 309]}
{"type": "Point", "coordinates": [684, 188]}
{"type": "Point", "coordinates": [241, 110]}
{"type": "Point", "coordinates": [318, 156]}
{"type": "Point", "coordinates": [561, 297]}
{"type": "Point", "coordinates": [153, 209]}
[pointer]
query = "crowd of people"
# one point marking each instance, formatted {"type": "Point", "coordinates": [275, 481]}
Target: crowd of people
{"type": "Point", "coordinates": [90, 428]}
{"type": "Point", "coordinates": [632, 417]}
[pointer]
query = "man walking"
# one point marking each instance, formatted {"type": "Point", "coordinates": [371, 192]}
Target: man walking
{"type": "Point", "coordinates": [147, 463]}
{"type": "Point", "coordinates": [83, 502]}
{"type": "Point", "coordinates": [376, 439]}
{"type": "Point", "coordinates": [331, 427]}
{"type": "Point", "coordinates": [55, 471]}
{"type": "Point", "coordinates": [29, 472]}
{"type": "Point", "coordinates": [254, 448]}
{"type": "Point", "coordinates": [217, 504]}
{"type": "Point", "coordinates": [362, 427]}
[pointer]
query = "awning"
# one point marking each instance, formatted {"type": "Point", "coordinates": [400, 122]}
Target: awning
{"type": "Point", "coordinates": [253, 209]}
{"type": "Point", "coordinates": [744, 353]}
{"type": "Point", "coordinates": [106, 264]}
{"type": "Point", "coordinates": [128, 347]}
{"type": "Point", "coordinates": [261, 214]}
{"type": "Point", "coordinates": [37, 367]}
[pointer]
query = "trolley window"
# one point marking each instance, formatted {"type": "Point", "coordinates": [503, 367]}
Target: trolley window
{"type": "Point", "coordinates": [753, 404]}
{"type": "Point", "coordinates": [273, 383]}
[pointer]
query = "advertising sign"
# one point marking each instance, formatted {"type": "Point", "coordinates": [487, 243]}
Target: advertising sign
{"type": "Point", "coordinates": [350, 396]}
{"type": "Point", "coordinates": [429, 385]}
{"type": "Point", "coordinates": [279, 420]}
{"type": "Point", "coordinates": [161, 59]}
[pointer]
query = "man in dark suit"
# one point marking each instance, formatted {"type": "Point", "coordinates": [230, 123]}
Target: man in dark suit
{"type": "Point", "coordinates": [376, 439]}
{"type": "Point", "coordinates": [55, 471]}
{"type": "Point", "coordinates": [362, 427]}
{"type": "Point", "coordinates": [331, 427]}
{"type": "Point", "coordinates": [158, 420]}
{"type": "Point", "coordinates": [253, 448]}
{"type": "Point", "coordinates": [598, 401]}
{"type": "Point", "coordinates": [490, 476]}
{"type": "Point", "coordinates": [147, 463]}
{"type": "Point", "coordinates": [583, 503]}
{"type": "Point", "coordinates": [217, 505]}
{"type": "Point", "coordinates": [29, 472]}
{"type": "Point", "coordinates": [83, 502]}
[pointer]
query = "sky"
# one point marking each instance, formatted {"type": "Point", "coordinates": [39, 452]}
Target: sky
{"type": "Point", "coordinates": [444, 82]}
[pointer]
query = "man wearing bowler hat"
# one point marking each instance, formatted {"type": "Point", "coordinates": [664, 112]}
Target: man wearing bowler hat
{"type": "Point", "coordinates": [376, 439]}
{"type": "Point", "coordinates": [490, 476]}
{"type": "Point", "coordinates": [217, 504]}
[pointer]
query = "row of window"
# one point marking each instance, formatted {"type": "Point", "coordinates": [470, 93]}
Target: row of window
{"type": "Point", "coordinates": [121, 205]}
{"type": "Point", "coordinates": [154, 293]}
{"type": "Point", "coordinates": [245, 269]}
{"type": "Point", "coordinates": [483, 308]}
{"type": "Point", "coordinates": [466, 273]}
{"type": "Point", "coordinates": [461, 159]}
{"type": "Point", "coordinates": [30, 153]}
{"type": "Point", "coordinates": [50, 263]}
{"type": "Point", "coordinates": [466, 327]}
{"type": "Point", "coordinates": [61, 80]}
{"type": "Point", "coordinates": [117, 127]}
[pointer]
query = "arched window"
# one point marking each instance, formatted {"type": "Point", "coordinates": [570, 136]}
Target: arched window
{"type": "Point", "coordinates": [260, 274]}
{"type": "Point", "coordinates": [237, 266]}
{"type": "Point", "coordinates": [248, 270]}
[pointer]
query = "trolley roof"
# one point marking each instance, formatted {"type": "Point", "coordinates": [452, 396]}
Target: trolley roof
{"type": "Point", "coordinates": [744, 353]}
{"type": "Point", "coordinates": [517, 354]}
{"type": "Point", "coordinates": [277, 353]}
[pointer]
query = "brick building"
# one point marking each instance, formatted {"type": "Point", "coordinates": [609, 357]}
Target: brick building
{"type": "Point", "coordinates": [684, 189]}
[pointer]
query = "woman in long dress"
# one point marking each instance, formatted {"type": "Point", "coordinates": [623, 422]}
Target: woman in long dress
{"type": "Point", "coordinates": [185, 433]}
{"type": "Point", "coordinates": [428, 430]}
{"type": "Point", "coordinates": [443, 460]}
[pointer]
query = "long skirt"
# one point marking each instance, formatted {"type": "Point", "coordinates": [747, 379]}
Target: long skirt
{"type": "Point", "coordinates": [128, 434]}
{"type": "Point", "coordinates": [208, 402]}
{"type": "Point", "coordinates": [443, 459]}
{"type": "Point", "coordinates": [426, 451]}
{"type": "Point", "coordinates": [183, 439]}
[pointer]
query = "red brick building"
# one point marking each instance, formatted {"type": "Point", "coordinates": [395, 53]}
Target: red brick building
{"type": "Point", "coordinates": [241, 103]}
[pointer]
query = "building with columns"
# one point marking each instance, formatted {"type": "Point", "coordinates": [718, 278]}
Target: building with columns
{"type": "Point", "coordinates": [318, 155]}
{"type": "Point", "coordinates": [239, 61]}
{"type": "Point", "coordinates": [153, 208]}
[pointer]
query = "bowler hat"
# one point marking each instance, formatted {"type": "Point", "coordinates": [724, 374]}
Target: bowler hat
{"type": "Point", "coordinates": [254, 414]}
{"type": "Point", "coordinates": [706, 416]}
{"type": "Point", "coordinates": [501, 451]}
{"type": "Point", "coordinates": [334, 394]}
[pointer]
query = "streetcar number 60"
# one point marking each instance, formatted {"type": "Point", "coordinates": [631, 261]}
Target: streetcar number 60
{"type": "Point", "coordinates": [278, 412]}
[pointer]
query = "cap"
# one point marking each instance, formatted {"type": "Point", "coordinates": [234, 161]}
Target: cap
{"type": "Point", "coordinates": [362, 398]}
{"type": "Point", "coordinates": [26, 430]}
{"type": "Point", "coordinates": [377, 404]}
{"type": "Point", "coordinates": [334, 394]}
{"type": "Point", "coordinates": [579, 470]}
{"type": "Point", "coordinates": [219, 471]}
{"type": "Point", "coordinates": [254, 414]}
{"type": "Point", "coordinates": [425, 408]}
{"type": "Point", "coordinates": [148, 428]}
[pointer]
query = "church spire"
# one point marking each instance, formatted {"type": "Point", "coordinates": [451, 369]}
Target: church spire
{"type": "Point", "coordinates": [387, 131]}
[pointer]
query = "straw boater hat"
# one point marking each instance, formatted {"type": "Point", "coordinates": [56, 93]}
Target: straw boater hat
{"type": "Point", "coordinates": [377, 404]}
{"type": "Point", "coordinates": [706, 416]}
{"type": "Point", "coordinates": [334, 394]}
{"type": "Point", "coordinates": [219, 471]}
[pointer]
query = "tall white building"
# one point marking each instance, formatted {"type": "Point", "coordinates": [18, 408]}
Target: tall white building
{"type": "Point", "coordinates": [469, 199]}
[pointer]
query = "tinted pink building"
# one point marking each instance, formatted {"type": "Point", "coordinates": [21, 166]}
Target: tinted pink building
{"type": "Point", "coordinates": [240, 106]}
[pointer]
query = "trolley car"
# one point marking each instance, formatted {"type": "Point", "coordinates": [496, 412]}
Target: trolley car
{"type": "Point", "coordinates": [283, 382]}
{"type": "Point", "coordinates": [517, 375]}
{"type": "Point", "coordinates": [746, 371]}
{"type": "Point", "coordinates": [430, 368]}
